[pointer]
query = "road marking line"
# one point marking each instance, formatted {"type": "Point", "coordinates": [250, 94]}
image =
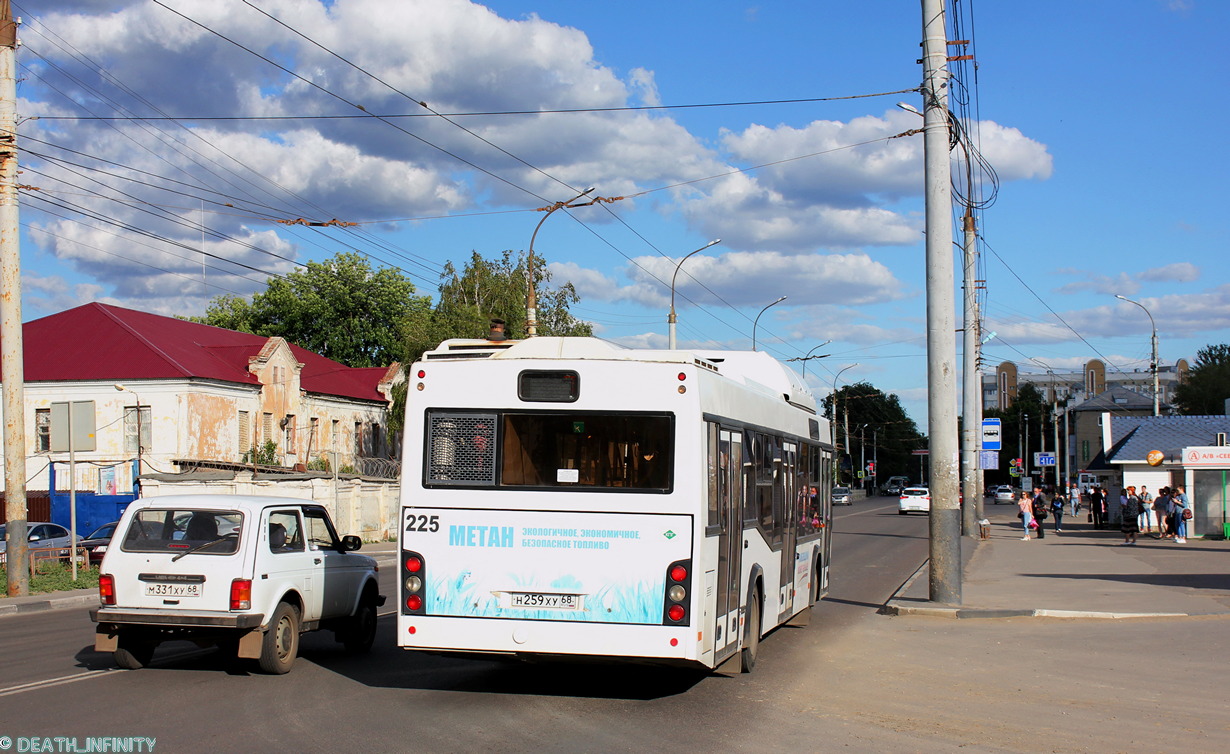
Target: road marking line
{"type": "Point", "coordinates": [49, 682]}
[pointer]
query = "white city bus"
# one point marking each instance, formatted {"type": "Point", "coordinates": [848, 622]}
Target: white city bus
{"type": "Point", "coordinates": [567, 497]}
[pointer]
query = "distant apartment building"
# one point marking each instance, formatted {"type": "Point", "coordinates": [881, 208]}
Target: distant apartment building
{"type": "Point", "coordinates": [1071, 386]}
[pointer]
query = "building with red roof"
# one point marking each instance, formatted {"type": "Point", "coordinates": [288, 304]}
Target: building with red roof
{"type": "Point", "coordinates": [180, 395]}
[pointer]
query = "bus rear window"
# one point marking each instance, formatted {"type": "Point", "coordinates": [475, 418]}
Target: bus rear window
{"type": "Point", "coordinates": [542, 449]}
{"type": "Point", "coordinates": [587, 450]}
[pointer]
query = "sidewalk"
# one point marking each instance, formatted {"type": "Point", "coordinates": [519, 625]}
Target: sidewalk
{"type": "Point", "coordinates": [385, 554]}
{"type": "Point", "coordinates": [1078, 573]}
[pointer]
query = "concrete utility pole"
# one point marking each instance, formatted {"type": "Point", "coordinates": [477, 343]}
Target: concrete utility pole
{"type": "Point", "coordinates": [12, 370]}
{"type": "Point", "coordinates": [945, 518]}
{"type": "Point", "coordinates": [971, 424]}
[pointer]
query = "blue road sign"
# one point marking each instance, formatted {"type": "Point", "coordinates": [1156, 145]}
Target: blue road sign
{"type": "Point", "coordinates": [990, 434]}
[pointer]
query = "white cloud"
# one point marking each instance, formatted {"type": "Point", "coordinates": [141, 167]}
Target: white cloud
{"type": "Point", "coordinates": [1094, 282]}
{"type": "Point", "coordinates": [1179, 272]}
{"type": "Point", "coordinates": [744, 279]}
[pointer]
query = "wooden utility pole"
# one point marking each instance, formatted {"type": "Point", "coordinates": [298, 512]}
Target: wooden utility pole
{"type": "Point", "coordinates": [12, 371]}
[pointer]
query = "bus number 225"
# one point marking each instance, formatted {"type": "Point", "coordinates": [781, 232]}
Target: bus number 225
{"type": "Point", "coordinates": [422, 523]}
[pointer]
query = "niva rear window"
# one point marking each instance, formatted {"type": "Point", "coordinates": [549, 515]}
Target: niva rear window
{"type": "Point", "coordinates": [207, 532]}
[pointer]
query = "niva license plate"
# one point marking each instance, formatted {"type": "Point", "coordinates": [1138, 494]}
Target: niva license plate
{"type": "Point", "coordinates": [172, 590]}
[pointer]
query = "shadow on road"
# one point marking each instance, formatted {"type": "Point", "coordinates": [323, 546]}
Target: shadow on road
{"type": "Point", "coordinates": [387, 666]}
{"type": "Point", "coordinates": [1191, 580]}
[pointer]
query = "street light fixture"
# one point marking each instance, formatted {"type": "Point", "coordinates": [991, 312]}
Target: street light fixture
{"type": "Point", "coordinates": [671, 319]}
{"type": "Point", "coordinates": [140, 447]}
{"type": "Point", "coordinates": [757, 320]}
{"type": "Point", "coordinates": [809, 353]}
{"type": "Point", "coordinates": [1153, 362]}
{"type": "Point", "coordinates": [531, 298]}
{"type": "Point", "coordinates": [833, 423]}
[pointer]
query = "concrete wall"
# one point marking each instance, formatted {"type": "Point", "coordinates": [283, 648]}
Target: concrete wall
{"type": "Point", "coordinates": [363, 507]}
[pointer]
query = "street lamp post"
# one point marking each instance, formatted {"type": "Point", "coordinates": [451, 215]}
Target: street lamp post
{"type": "Point", "coordinates": [833, 423]}
{"type": "Point", "coordinates": [1025, 455]}
{"type": "Point", "coordinates": [757, 320]}
{"type": "Point", "coordinates": [671, 319]}
{"type": "Point", "coordinates": [862, 453]}
{"type": "Point", "coordinates": [1153, 361]}
{"type": "Point", "coordinates": [809, 353]}
{"type": "Point", "coordinates": [531, 298]}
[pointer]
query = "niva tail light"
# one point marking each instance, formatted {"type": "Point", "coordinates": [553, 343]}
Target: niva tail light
{"type": "Point", "coordinates": [241, 594]}
{"type": "Point", "coordinates": [106, 589]}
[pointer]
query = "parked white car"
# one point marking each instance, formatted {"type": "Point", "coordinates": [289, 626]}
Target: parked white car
{"type": "Point", "coordinates": [914, 499]}
{"type": "Point", "coordinates": [249, 573]}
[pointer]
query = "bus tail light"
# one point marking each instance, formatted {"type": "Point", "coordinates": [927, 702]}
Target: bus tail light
{"type": "Point", "coordinates": [678, 593]}
{"type": "Point", "coordinates": [106, 589]}
{"type": "Point", "coordinates": [413, 583]}
{"type": "Point", "coordinates": [241, 594]}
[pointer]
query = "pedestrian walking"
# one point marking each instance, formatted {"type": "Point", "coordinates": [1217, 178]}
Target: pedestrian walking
{"type": "Point", "coordinates": [1130, 515]}
{"type": "Point", "coordinates": [1163, 514]}
{"type": "Point", "coordinates": [1182, 514]}
{"type": "Point", "coordinates": [1057, 505]}
{"type": "Point", "coordinates": [1097, 507]}
{"type": "Point", "coordinates": [1039, 506]}
{"type": "Point", "coordinates": [1026, 514]}
{"type": "Point", "coordinates": [1074, 498]}
{"type": "Point", "coordinates": [1146, 510]}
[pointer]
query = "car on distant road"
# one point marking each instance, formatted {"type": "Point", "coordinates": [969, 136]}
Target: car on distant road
{"type": "Point", "coordinates": [1004, 494]}
{"type": "Point", "coordinates": [40, 536]}
{"type": "Point", "coordinates": [914, 499]}
{"type": "Point", "coordinates": [841, 496]}
{"type": "Point", "coordinates": [95, 545]}
{"type": "Point", "coordinates": [894, 485]}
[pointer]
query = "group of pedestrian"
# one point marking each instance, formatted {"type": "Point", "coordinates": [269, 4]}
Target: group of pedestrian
{"type": "Point", "coordinates": [1140, 512]}
{"type": "Point", "coordinates": [1172, 512]}
{"type": "Point", "coordinates": [1169, 512]}
{"type": "Point", "coordinates": [1097, 507]}
{"type": "Point", "coordinates": [1036, 508]}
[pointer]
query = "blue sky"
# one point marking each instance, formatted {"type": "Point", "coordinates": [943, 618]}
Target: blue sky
{"type": "Point", "coordinates": [1101, 119]}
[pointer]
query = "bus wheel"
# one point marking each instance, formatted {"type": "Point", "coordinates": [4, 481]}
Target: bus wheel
{"type": "Point", "coordinates": [751, 642]}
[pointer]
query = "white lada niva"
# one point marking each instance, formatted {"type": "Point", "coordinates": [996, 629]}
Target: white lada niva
{"type": "Point", "coordinates": [248, 573]}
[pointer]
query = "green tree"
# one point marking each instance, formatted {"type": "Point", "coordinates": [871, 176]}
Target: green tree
{"type": "Point", "coordinates": [495, 289]}
{"type": "Point", "coordinates": [485, 290]}
{"type": "Point", "coordinates": [1207, 386]}
{"type": "Point", "coordinates": [340, 308]}
{"type": "Point", "coordinates": [880, 430]}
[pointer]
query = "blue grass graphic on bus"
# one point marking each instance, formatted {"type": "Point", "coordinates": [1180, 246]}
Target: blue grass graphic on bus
{"type": "Point", "coordinates": [559, 566]}
{"type": "Point", "coordinates": [460, 596]}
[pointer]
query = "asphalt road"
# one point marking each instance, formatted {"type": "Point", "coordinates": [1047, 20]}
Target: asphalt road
{"type": "Point", "coordinates": [852, 679]}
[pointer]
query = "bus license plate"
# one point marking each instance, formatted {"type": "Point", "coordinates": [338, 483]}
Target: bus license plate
{"type": "Point", "coordinates": [172, 590]}
{"type": "Point", "coordinates": [540, 601]}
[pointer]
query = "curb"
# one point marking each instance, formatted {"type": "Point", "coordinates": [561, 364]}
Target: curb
{"type": "Point", "coordinates": [976, 612]}
{"type": "Point", "coordinates": [48, 603]}
{"type": "Point", "coordinates": [41, 603]}
{"type": "Point", "coordinates": [897, 605]}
